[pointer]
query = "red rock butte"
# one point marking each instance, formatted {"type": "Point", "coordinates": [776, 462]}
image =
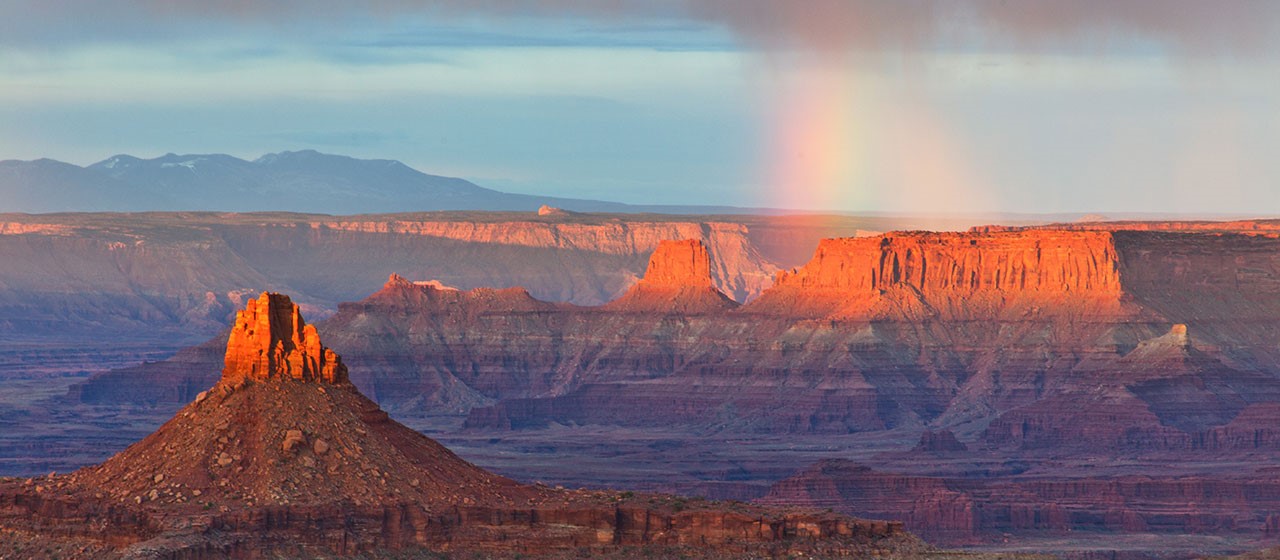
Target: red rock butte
{"type": "Point", "coordinates": [678, 280]}
{"type": "Point", "coordinates": [679, 264]}
{"type": "Point", "coordinates": [270, 340]}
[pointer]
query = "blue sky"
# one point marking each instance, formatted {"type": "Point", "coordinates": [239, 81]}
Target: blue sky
{"type": "Point", "coordinates": [852, 105]}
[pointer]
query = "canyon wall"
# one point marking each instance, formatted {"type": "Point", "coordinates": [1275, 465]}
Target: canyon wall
{"type": "Point", "coordinates": [1046, 355]}
{"type": "Point", "coordinates": [1037, 262]}
{"type": "Point", "coordinates": [904, 329]}
{"type": "Point", "coordinates": [130, 276]}
{"type": "Point", "coordinates": [950, 276]}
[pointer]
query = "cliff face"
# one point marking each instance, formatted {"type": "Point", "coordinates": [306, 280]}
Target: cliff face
{"type": "Point", "coordinates": [284, 456]}
{"type": "Point", "coordinates": [956, 275]}
{"type": "Point", "coordinates": [679, 264]}
{"type": "Point", "coordinates": [163, 275]}
{"type": "Point", "coordinates": [739, 269]}
{"type": "Point", "coordinates": [678, 281]}
{"type": "Point", "coordinates": [932, 263]}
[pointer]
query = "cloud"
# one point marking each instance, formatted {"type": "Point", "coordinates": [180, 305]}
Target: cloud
{"type": "Point", "coordinates": [1226, 27]}
{"type": "Point", "coordinates": [1196, 27]}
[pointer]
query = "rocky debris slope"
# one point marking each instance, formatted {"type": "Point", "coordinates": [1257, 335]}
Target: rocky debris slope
{"type": "Point", "coordinates": [284, 456]}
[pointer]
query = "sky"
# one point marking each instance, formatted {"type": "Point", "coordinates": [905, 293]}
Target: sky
{"type": "Point", "coordinates": [829, 105]}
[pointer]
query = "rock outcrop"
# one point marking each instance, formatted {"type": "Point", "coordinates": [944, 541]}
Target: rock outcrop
{"type": "Point", "coordinates": [679, 264]}
{"type": "Point", "coordinates": [678, 280]}
{"type": "Point", "coordinates": [546, 210]}
{"type": "Point", "coordinates": [940, 442]}
{"type": "Point", "coordinates": [900, 330]}
{"type": "Point", "coordinates": [270, 339]}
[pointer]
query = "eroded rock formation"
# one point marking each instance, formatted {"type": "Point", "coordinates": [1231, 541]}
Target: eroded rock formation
{"type": "Point", "coordinates": [678, 264]}
{"type": "Point", "coordinates": [678, 280]}
{"type": "Point", "coordinates": [270, 339]}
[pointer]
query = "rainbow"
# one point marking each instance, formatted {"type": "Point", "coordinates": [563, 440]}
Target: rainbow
{"type": "Point", "coordinates": [841, 140]}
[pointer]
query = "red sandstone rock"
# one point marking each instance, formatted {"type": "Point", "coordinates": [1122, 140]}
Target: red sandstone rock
{"type": "Point", "coordinates": [950, 275]}
{"type": "Point", "coordinates": [270, 339]}
{"type": "Point", "coordinates": [103, 276]}
{"type": "Point", "coordinates": [678, 280]}
{"type": "Point", "coordinates": [919, 347]}
{"type": "Point", "coordinates": [545, 210]}
{"type": "Point", "coordinates": [679, 264]}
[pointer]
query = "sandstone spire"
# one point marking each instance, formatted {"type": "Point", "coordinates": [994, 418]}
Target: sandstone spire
{"type": "Point", "coordinates": [270, 339]}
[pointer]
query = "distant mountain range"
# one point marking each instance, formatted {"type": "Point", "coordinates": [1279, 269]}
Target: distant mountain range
{"type": "Point", "coordinates": [303, 181]}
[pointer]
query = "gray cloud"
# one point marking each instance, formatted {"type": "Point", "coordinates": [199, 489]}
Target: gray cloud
{"type": "Point", "coordinates": [1233, 27]}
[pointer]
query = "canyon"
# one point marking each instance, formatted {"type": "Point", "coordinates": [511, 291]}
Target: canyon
{"type": "Point", "coordinates": [1062, 382]}
{"type": "Point", "coordinates": [283, 456]}
{"type": "Point", "coordinates": [162, 277]}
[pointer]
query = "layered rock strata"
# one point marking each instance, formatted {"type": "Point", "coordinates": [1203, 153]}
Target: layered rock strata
{"type": "Point", "coordinates": [900, 330]}
{"type": "Point", "coordinates": [964, 510]}
{"type": "Point", "coordinates": [1147, 350]}
{"type": "Point", "coordinates": [284, 456]}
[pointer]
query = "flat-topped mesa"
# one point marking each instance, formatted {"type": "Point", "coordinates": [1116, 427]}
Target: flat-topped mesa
{"type": "Point", "coordinates": [397, 281]}
{"type": "Point", "coordinates": [679, 264]}
{"type": "Point", "coordinates": [270, 340]}
{"type": "Point", "coordinates": [1083, 262]}
{"type": "Point", "coordinates": [433, 297]}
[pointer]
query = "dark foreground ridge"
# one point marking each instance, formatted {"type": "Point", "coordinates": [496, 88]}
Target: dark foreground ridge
{"type": "Point", "coordinates": [285, 457]}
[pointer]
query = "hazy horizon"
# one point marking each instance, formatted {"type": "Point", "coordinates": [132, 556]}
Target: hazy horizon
{"type": "Point", "coordinates": [968, 106]}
